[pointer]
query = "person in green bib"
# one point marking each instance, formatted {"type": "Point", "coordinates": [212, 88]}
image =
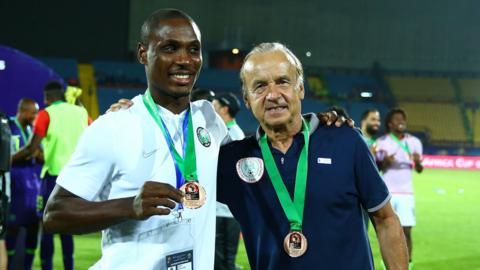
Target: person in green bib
{"type": "Point", "coordinates": [298, 187]}
{"type": "Point", "coordinates": [58, 129]}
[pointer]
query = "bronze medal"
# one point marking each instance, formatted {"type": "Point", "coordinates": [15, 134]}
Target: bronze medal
{"type": "Point", "coordinates": [295, 244]}
{"type": "Point", "coordinates": [195, 195]}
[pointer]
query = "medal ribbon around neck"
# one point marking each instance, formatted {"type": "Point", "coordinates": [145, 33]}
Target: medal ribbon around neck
{"type": "Point", "coordinates": [25, 137]}
{"type": "Point", "coordinates": [404, 146]}
{"type": "Point", "coordinates": [186, 168]}
{"type": "Point", "coordinates": [371, 141]}
{"type": "Point", "coordinates": [293, 209]}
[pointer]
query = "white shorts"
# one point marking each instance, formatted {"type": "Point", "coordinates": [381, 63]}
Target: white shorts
{"type": "Point", "coordinates": [404, 206]}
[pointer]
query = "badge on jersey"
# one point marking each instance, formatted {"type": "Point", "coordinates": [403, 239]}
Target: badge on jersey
{"type": "Point", "coordinates": [203, 137]}
{"type": "Point", "coordinates": [250, 169]}
{"type": "Point", "coordinates": [180, 261]}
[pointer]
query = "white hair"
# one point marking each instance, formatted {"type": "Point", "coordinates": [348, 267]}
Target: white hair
{"type": "Point", "coordinates": [267, 47]}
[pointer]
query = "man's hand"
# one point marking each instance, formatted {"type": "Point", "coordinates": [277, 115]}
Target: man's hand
{"type": "Point", "coordinates": [122, 104]}
{"type": "Point", "coordinates": [328, 118]}
{"type": "Point", "coordinates": [387, 160]}
{"type": "Point", "coordinates": [155, 198]}
{"type": "Point", "coordinates": [417, 162]}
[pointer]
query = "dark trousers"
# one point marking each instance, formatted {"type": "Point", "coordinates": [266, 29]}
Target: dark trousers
{"type": "Point", "coordinates": [226, 243]}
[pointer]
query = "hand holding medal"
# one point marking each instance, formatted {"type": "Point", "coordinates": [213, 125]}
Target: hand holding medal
{"type": "Point", "coordinates": [186, 167]}
{"type": "Point", "coordinates": [195, 195]}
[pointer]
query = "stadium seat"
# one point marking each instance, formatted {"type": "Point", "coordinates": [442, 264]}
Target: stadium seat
{"type": "Point", "coordinates": [474, 118]}
{"type": "Point", "coordinates": [470, 89]}
{"type": "Point", "coordinates": [442, 121]}
{"type": "Point", "coordinates": [421, 88]}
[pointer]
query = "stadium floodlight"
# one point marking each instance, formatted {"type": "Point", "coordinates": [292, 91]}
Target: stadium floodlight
{"type": "Point", "coordinates": [366, 94]}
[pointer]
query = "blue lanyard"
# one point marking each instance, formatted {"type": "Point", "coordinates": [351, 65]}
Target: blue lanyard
{"type": "Point", "coordinates": [168, 137]}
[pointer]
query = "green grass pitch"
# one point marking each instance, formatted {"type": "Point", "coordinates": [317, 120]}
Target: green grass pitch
{"type": "Point", "coordinates": [447, 235]}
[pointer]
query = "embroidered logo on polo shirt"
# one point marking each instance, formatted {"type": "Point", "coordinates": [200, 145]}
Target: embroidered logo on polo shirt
{"type": "Point", "coordinates": [324, 160]}
{"type": "Point", "coordinates": [250, 169]}
{"type": "Point", "coordinates": [150, 153]}
{"type": "Point", "coordinates": [203, 137]}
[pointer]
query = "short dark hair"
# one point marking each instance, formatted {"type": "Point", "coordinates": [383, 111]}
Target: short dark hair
{"type": "Point", "coordinates": [230, 101]}
{"type": "Point", "coordinates": [367, 112]}
{"type": "Point", "coordinates": [24, 104]}
{"type": "Point", "coordinates": [54, 90]}
{"type": "Point", "coordinates": [151, 23]}
{"type": "Point", "coordinates": [53, 86]}
{"type": "Point", "coordinates": [391, 113]}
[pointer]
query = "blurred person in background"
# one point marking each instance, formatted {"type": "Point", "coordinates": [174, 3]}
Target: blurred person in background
{"type": "Point", "coordinates": [5, 147]}
{"type": "Point", "coordinates": [227, 233]}
{"type": "Point", "coordinates": [25, 185]}
{"type": "Point", "coordinates": [59, 127]}
{"type": "Point", "coordinates": [398, 153]}
{"type": "Point", "coordinates": [199, 94]}
{"type": "Point", "coordinates": [370, 125]}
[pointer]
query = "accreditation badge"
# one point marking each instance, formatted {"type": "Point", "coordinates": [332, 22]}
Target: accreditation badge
{"type": "Point", "coordinates": [250, 169]}
{"type": "Point", "coordinates": [195, 195]}
{"type": "Point", "coordinates": [295, 244]}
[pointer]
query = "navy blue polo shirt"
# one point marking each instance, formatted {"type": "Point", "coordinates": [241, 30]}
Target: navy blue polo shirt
{"type": "Point", "coordinates": [342, 178]}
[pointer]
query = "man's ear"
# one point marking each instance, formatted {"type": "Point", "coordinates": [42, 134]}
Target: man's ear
{"type": "Point", "coordinates": [301, 91]}
{"type": "Point", "coordinates": [142, 53]}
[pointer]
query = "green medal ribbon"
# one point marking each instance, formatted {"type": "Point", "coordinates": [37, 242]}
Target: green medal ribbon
{"type": "Point", "coordinates": [293, 210]}
{"type": "Point", "coordinates": [404, 146]}
{"type": "Point", "coordinates": [25, 138]}
{"type": "Point", "coordinates": [231, 124]}
{"type": "Point", "coordinates": [370, 141]}
{"type": "Point", "coordinates": [188, 164]}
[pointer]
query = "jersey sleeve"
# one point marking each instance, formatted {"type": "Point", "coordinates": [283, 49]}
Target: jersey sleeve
{"type": "Point", "coordinates": [228, 188]}
{"type": "Point", "coordinates": [40, 126]}
{"type": "Point", "coordinates": [92, 165]}
{"type": "Point", "coordinates": [372, 190]}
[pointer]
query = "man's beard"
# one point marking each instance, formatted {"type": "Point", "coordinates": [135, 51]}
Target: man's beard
{"type": "Point", "coordinates": [371, 130]}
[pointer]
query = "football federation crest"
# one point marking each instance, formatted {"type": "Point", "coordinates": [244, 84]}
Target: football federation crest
{"type": "Point", "coordinates": [250, 169]}
{"type": "Point", "coordinates": [203, 137]}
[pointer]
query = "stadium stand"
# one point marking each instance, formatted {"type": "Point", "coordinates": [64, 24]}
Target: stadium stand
{"type": "Point", "coordinates": [471, 89]}
{"type": "Point", "coordinates": [88, 84]}
{"type": "Point", "coordinates": [407, 88]}
{"type": "Point", "coordinates": [474, 118]}
{"type": "Point", "coordinates": [441, 121]}
{"type": "Point", "coordinates": [349, 85]}
{"type": "Point", "coordinates": [67, 68]}
{"type": "Point", "coordinates": [109, 95]}
{"type": "Point", "coordinates": [109, 73]}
